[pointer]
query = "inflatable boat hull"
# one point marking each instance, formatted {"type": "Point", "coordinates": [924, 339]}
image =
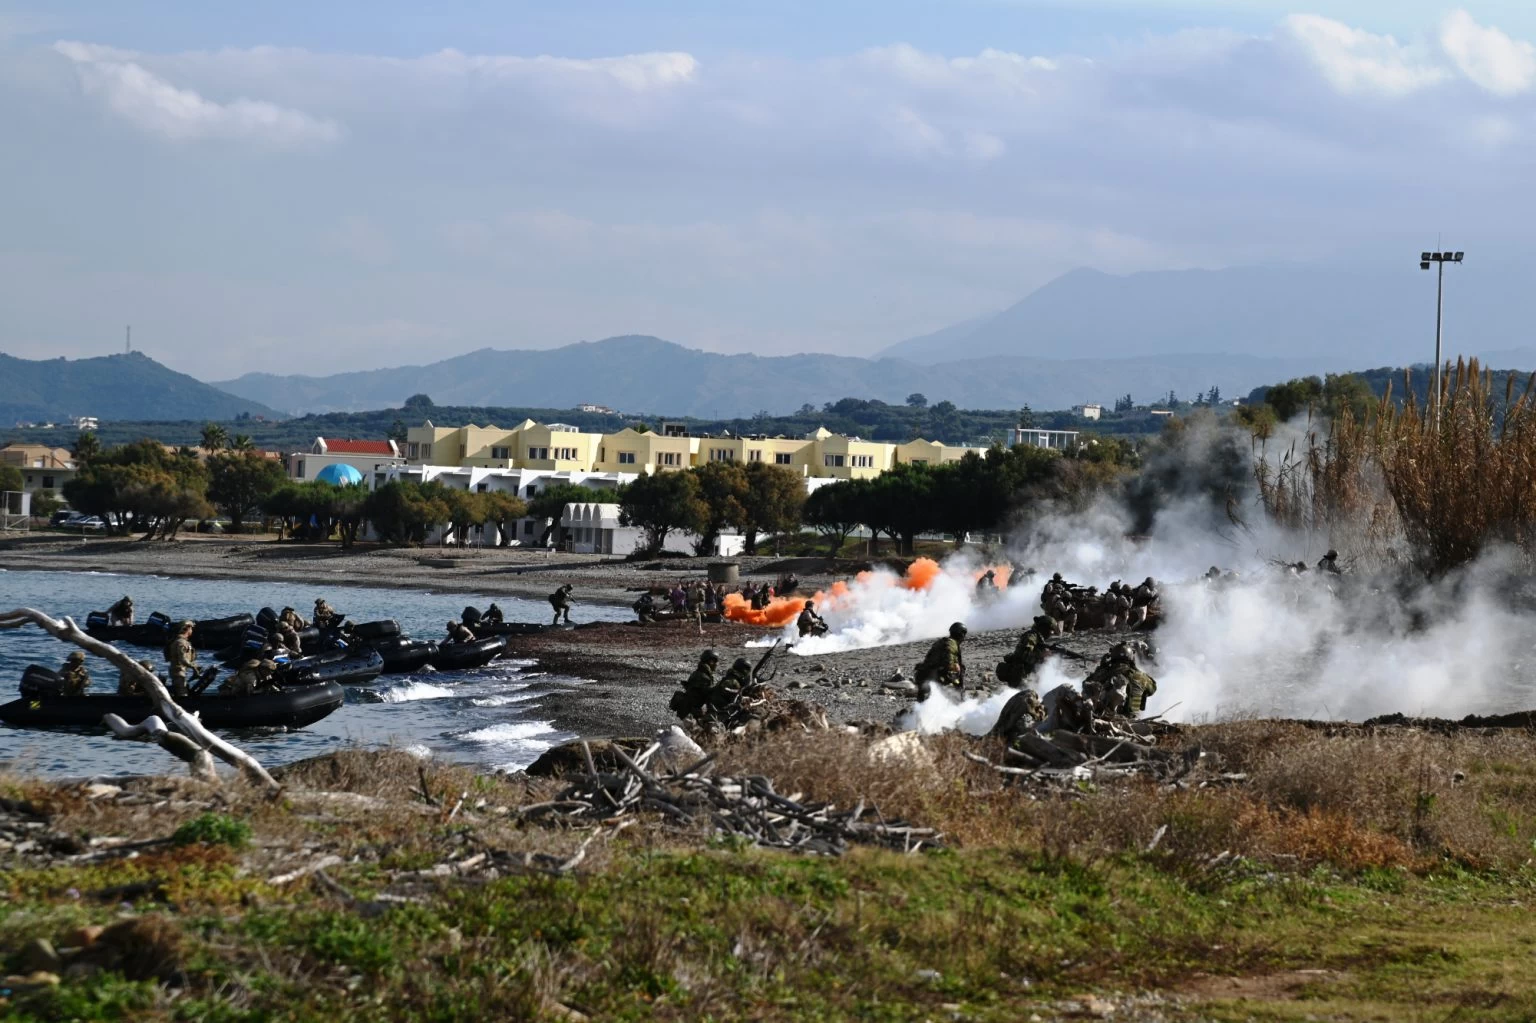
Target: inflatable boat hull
{"type": "Point", "coordinates": [294, 707]}
{"type": "Point", "coordinates": [460, 656]}
{"type": "Point", "coordinates": [343, 667]}
{"type": "Point", "coordinates": [403, 656]}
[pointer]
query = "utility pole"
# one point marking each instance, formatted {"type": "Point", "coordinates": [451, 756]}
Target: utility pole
{"type": "Point", "coordinates": [1439, 259]}
{"type": "Point", "coordinates": [128, 339]}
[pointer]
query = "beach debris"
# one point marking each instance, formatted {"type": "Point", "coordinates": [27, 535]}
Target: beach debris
{"type": "Point", "coordinates": [744, 807]}
{"type": "Point", "coordinates": [1063, 759]}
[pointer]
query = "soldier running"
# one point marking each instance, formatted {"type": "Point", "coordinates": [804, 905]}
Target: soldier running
{"type": "Point", "coordinates": [560, 600]}
{"type": "Point", "coordinates": [810, 623]}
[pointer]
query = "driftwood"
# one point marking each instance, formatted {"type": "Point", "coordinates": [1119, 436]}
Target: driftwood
{"type": "Point", "coordinates": [1061, 759]}
{"type": "Point", "coordinates": [198, 760]}
{"type": "Point", "coordinates": [173, 720]}
{"type": "Point", "coordinates": [744, 807]}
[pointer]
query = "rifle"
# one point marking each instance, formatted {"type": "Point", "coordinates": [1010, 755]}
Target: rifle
{"type": "Point", "coordinates": [757, 672]}
{"type": "Point", "coordinates": [1063, 651]}
{"type": "Point", "coordinates": [201, 680]}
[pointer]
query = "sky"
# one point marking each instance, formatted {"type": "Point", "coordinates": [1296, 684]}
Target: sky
{"type": "Point", "coordinates": [314, 188]}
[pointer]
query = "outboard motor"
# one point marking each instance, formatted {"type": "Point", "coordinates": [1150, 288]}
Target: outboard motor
{"type": "Point", "coordinates": [159, 624]}
{"type": "Point", "coordinates": [255, 638]}
{"type": "Point", "coordinates": [96, 620]}
{"type": "Point", "coordinates": [38, 682]}
{"type": "Point", "coordinates": [266, 618]}
{"type": "Point", "coordinates": [470, 616]}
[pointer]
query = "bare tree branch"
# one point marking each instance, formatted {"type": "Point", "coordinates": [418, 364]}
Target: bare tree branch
{"type": "Point", "coordinates": [181, 720]}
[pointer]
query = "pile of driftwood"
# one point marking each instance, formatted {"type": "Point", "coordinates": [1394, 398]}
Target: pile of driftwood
{"type": "Point", "coordinates": [1061, 759]}
{"type": "Point", "coordinates": [741, 807]}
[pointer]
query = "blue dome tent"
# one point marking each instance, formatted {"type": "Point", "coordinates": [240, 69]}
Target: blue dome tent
{"type": "Point", "coordinates": [340, 474]}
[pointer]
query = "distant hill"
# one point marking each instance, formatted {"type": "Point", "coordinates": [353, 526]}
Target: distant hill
{"type": "Point", "coordinates": [647, 375]}
{"type": "Point", "coordinates": [1365, 315]}
{"type": "Point", "coordinates": [130, 386]}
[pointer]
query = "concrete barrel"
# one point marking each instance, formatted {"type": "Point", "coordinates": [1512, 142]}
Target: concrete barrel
{"type": "Point", "coordinates": [724, 572]}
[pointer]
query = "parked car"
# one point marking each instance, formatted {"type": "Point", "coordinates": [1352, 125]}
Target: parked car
{"type": "Point", "coordinates": [62, 516]}
{"type": "Point", "coordinates": [86, 524]}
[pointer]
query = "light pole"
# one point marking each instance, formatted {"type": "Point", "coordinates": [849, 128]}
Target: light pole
{"type": "Point", "coordinates": [1439, 259]}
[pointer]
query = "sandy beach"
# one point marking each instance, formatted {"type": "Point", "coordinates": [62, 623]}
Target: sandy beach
{"type": "Point", "coordinates": [634, 669]}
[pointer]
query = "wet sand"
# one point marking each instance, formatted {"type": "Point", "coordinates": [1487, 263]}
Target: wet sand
{"type": "Point", "coordinates": [633, 669]}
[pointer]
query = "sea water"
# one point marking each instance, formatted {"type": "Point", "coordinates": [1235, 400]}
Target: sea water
{"type": "Point", "coordinates": [484, 716]}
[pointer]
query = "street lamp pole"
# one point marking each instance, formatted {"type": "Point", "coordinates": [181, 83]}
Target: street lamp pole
{"type": "Point", "coordinates": [1439, 259]}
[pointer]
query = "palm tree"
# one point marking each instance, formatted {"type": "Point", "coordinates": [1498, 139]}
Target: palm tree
{"type": "Point", "coordinates": [243, 443]}
{"type": "Point", "coordinates": [215, 438]}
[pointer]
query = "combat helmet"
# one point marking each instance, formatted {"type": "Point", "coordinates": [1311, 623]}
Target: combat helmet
{"type": "Point", "coordinates": [958, 631]}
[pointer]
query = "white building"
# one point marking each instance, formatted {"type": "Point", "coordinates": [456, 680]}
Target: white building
{"type": "Point", "coordinates": [523, 483]}
{"type": "Point", "coordinates": [1092, 412]}
{"type": "Point", "coordinates": [372, 458]}
{"type": "Point", "coordinates": [1056, 440]}
{"type": "Point", "coordinates": [595, 529]}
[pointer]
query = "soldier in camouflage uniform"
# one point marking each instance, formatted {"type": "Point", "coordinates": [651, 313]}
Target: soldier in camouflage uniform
{"type": "Point", "coordinates": [560, 600]}
{"type": "Point", "coordinates": [325, 615]}
{"type": "Point", "coordinates": [121, 613]}
{"type": "Point", "coordinates": [943, 663]}
{"type": "Point", "coordinates": [128, 683]}
{"type": "Point", "coordinates": [729, 689]}
{"type": "Point", "coordinates": [692, 700]}
{"type": "Point", "coordinates": [254, 676]}
{"type": "Point", "coordinates": [181, 659]}
{"type": "Point", "coordinates": [1020, 714]}
{"type": "Point", "coordinates": [1028, 654]}
{"type": "Point", "coordinates": [73, 678]}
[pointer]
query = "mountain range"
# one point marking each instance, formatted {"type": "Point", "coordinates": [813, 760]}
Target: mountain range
{"type": "Point", "coordinates": [649, 375]}
{"type": "Point", "coordinates": [127, 386]}
{"type": "Point", "coordinates": [1370, 315]}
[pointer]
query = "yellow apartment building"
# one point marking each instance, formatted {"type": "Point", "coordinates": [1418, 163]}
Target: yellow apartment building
{"type": "Point", "coordinates": [559, 448]}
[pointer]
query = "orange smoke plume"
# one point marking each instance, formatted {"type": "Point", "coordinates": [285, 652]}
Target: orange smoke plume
{"type": "Point", "coordinates": [780, 610]}
{"type": "Point", "coordinates": [921, 574]}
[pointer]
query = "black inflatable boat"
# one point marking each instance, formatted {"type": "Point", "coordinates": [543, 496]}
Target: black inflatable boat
{"type": "Point", "coordinates": [293, 707]}
{"type": "Point", "coordinates": [403, 656]}
{"type": "Point", "coordinates": [458, 656]}
{"type": "Point", "coordinates": [150, 632]}
{"type": "Point", "coordinates": [484, 628]}
{"type": "Point", "coordinates": [343, 667]}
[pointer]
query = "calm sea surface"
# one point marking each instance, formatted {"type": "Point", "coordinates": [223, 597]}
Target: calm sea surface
{"type": "Point", "coordinates": [473, 716]}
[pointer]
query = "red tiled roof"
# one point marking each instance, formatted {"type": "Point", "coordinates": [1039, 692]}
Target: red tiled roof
{"type": "Point", "coordinates": [358, 447]}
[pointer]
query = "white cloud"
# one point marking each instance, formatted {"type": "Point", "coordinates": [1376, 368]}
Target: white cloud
{"type": "Point", "coordinates": [155, 105]}
{"type": "Point", "coordinates": [1488, 56]}
{"type": "Point", "coordinates": [1353, 60]}
{"type": "Point", "coordinates": [640, 72]}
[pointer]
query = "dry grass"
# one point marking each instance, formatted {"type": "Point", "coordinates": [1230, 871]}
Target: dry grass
{"type": "Point", "coordinates": [1353, 798]}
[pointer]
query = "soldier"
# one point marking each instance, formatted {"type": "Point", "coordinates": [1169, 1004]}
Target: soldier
{"type": "Point", "coordinates": [986, 586]}
{"type": "Point", "coordinates": [1020, 714]}
{"type": "Point", "coordinates": [325, 615]}
{"type": "Point", "coordinates": [254, 676]}
{"type": "Point", "coordinates": [1117, 685]}
{"type": "Point", "coordinates": [286, 635]}
{"type": "Point", "coordinates": [728, 690]}
{"type": "Point", "coordinates": [692, 701]}
{"type": "Point", "coordinates": [645, 608]}
{"type": "Point", "coordinates": [121, 613]}
{"type": "Point", "coordinates": [181, 658]}
{"type": "Point", "coordinates": [810, 623]}
{"type": "Point", "coordinates": [458, 632]}
{"type": "Point", "coordinates": [291, 619]}
{"type": "Point", "coordinates": [493, 616]}
{"type": "Point", "coordinates": [1028, 653]}
{"type": "Point", "coordinates": [1328, 563]}
{"type": "Point", "coordinates": [128, 682]}
{"type": "Point", "coordinates": [943, 662]}
{"type": "Point", "coordinates": [73, 678]}
{"type": "Point", "coordinates": [560, 600]}
{"type": "Point", "coordinates": [1061, 612]}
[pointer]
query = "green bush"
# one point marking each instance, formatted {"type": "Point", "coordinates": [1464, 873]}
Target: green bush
{"type": "Point", "coordinates": [214, 829]}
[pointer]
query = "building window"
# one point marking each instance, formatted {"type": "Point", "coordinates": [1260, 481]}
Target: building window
{"type": "Point", "coordinates": [722, 455]}
{"type": "Point", "coordinates": [919, 461]}
{"type": "Point", "coordinates": [538, 454]}
{"type": "Point", "coordinates": [668, 458]}
{"type": "Point", "coordinates": [754, 456]}
{"type": "Point", "coordinates": [412, 449]}
{"type": "Point", "coordinates": [533, 489]}
{"type": "Point", "coordinates": [861, 461]}
{"type": "Point", "coordinates": [480, 488]}
{"type": "Point", "coordinates": [47, 482]}
{"type": "Point", "coordinates": [782, 458]}
{"type": "Point", "coordinates": [626, 458]}
{"type": "Point", "coordinates": [501, 452]}
{"type": "Point", "coordinates": [565, 454]}
{"type": "Point", "coordinates": [300, 467]}
{"type": "Point", "coordinates": [833, 461]}
{"type": "Point", "coordinates": [528, 527]}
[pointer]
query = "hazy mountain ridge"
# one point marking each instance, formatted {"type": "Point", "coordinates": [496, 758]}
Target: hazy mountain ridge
{"type": "Point", "coordinates": [1373, 315]}
{"type": "Point", "coordinates": [646, 374]}
{"type": "Point", "coordinates": [127, 386]}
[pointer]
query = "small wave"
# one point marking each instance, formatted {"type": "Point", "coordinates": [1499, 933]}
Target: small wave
{"type": "Point", "coordinates": [414, 691]}
{"type": "Point", "coordinates": [503, 699]}
{"type": "Point", "coordinates": [511, 733]}
{"type": "Point", "coordinates": [419, 750]}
